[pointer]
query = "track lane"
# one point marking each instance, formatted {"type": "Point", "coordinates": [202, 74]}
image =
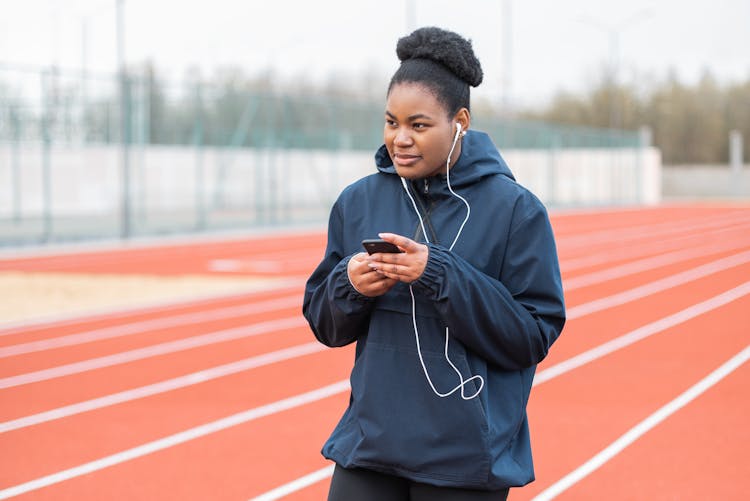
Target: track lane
{"type": "Point", "coordinates": [339, 412]}
{"type": "Point", "coordinates": [158, 327]}
{"type": "Point", "coordinates": [191, 321]}
{"type": "Point", "coordinates": [697, 453]}
{"type": "Point", "coordinates": [227, 464]}
{"type": "Point", "coordinates": [180, 258]}
{"type": "Point", "coordinates": [630, 317]}
{"type": "Point", "coordinates": [578, 222]}
{"type": "Point", "coordinates": [92, 383]}
{"type": "Point", "coordinates": [591, 330]}
{"type": "Point", "coordinates": [550, 450]}
{"type": "Point", "coordinates": [578, 413]}
{"type": "Point", "coordinates": [117, 428]}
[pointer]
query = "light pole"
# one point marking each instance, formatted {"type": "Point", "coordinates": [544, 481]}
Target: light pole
{"type": "Point", "coordinates": [614, 31]}
{"type": "Point", "coordinates": [411, 15]}
{"type": "Point", "coordinates": [506, 63]}
{"type": "Point", "coordinates": [125, 228]}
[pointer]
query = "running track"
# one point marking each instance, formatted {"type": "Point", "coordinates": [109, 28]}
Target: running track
{"type": "Point", "coordinates": [645, 395]}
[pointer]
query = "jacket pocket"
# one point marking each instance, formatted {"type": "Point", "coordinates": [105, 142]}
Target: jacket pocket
{"type": "Point", "coordinates": [406, 427]}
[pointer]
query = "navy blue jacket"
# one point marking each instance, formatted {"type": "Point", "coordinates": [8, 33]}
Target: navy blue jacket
{"type": "Point", "coordinates": [500, 293]}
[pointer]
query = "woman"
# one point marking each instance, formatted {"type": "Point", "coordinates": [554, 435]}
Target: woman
{"type": "Point", "coordinates": [450, 329]}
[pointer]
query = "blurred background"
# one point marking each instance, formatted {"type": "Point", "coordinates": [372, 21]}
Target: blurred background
{"type": "Point", "coordinates": [130, 118]}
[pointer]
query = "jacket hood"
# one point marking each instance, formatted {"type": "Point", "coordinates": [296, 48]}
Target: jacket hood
{"type": "Point", "coordinates": [479, 158]}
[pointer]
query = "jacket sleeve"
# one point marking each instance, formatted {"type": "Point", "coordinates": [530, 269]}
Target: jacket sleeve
{"type": "Point", "coordinates": [337, 313]}
{"type": "Point", "coordinates": [510, 321]}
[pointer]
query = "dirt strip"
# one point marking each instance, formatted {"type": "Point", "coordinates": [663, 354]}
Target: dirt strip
{"type": "Point", "coordinates": [28, 296]}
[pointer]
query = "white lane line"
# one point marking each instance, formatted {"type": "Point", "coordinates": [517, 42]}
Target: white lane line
{"type": "Point", "coordinates": [658, 285]}
{"type": "Point", "coordinates": [139, 254]}
{"type": "Point", "coordinates": [164, 386]}
{"type": "Point", "coordinates": [292, 301]}
{"type": "Point", "coordinates": [624, 252]}
{"type": "Point", "coordinates": [238, 332]}
{"type": "Point", "coordinates": [296, 485]}
{"type": "Point", "coordinates": [109, 313]}
{"type": "Point", "coordinates": [643, 427]}
{"type": "Point", "coordinates": [284, 404]}
{"type": "Point", "coordinates": [640, 232]}
{"type": "Point", "coordinates": [642, 333]}
{"type": "Point", "coordinates": [154, 350]}
{"type": "Point", "coordinates": [58, 321]}
{"type": "Point", "coordinates": [542, 376]}
{"type": "Point", "coordinates": [141, 326]}
{"type": "Point", "coordinates": [178, 438]}
{"type": "Point", "coordinates": [649, 263]}
{"type": "Point", "coordinates": [609, 347]}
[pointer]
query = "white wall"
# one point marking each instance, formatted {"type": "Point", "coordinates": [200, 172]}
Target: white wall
{"type": "Point", "coordinates": [705, 181]}
{"type": "Point", "coordinates": [87, 181]}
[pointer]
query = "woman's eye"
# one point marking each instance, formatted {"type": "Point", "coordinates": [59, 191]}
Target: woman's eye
{"type": "Point", "coordinates": [390, 123]}
{"type": "Point", "coordinates": [419, 126]}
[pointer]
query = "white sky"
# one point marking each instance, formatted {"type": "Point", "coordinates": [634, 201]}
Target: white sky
{"type": "Point", "coordinates": [556, 44]}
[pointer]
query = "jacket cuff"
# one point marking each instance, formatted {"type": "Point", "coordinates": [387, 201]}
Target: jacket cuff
{"type": "Point", "coordinates": [430, 282]}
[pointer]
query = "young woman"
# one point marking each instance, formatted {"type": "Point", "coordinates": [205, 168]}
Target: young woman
{"type": "Point", "coordinates": [450, 329]}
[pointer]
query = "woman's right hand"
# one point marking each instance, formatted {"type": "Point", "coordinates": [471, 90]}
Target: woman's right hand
{"type": "Point", "coordinates": [365, 280]}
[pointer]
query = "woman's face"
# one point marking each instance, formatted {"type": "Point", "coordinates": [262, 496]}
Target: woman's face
{"type": "Point", "coordinates": [418, 132]}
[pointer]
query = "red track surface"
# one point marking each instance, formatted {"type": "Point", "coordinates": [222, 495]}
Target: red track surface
{"type": "Point", "coordinates": [201, 400]}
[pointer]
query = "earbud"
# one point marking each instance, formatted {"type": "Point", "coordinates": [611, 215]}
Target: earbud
{"type": "Point", "coordinates": [458, 127]}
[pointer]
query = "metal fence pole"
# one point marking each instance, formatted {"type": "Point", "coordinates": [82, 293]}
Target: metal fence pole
{"type": "Point", "coordinates": [16, 165]}
{"type": "Point", "coordinates": [735, 161]}
{"type": "Point", "coordinates": [644, 142]}
{"type": "Point", "coordinates": [200, 175]}
{"type": "Point", "coordinates": [46, 160]}
{"type": "Point", "coordinates": [554, 146]}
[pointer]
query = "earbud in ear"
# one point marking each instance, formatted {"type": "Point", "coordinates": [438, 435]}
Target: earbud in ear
{"type": "Point", "coordinates": [458, 127]}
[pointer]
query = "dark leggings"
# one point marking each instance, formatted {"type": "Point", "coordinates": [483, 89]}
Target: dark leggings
{"type": "Point", "coordinates": [366, 485]}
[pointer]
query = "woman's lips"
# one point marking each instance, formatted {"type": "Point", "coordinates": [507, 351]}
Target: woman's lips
{"type": "Point", "coordinates": [406, 160]}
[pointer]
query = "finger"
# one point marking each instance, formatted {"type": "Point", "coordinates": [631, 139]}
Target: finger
{"type": "Point", "coordinates": [360, 257]}
{"type": "Point", "coordinates": [397, 272]}
{"type": "Point", "coordinates": [378, 287]}
{"type": "Point", "coordinates": [407, 244]}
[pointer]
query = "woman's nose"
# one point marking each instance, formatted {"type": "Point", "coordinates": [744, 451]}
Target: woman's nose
{"type": "Point", "coordinates": [402, 137]}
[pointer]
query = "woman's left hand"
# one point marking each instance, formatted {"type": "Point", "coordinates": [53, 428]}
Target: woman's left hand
{"type": "Point", "coordinates": [406, 266]}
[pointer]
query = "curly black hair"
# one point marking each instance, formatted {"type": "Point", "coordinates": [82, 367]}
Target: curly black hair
{"type": "Point", "coordinates": [442, 61]}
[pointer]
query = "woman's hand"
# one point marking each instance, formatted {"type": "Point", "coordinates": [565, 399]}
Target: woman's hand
{"type": "Point", "coordinates": [406, 266]}
{"type": "Point", "coordinates": [366, 280]}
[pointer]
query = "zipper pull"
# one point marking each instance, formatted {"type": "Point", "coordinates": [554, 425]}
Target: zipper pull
{"type": "Point", "coordinates": [426, 186]}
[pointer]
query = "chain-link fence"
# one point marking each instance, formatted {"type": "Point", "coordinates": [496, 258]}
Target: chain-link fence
{"type": "Point", "coordinates": [97, 156]}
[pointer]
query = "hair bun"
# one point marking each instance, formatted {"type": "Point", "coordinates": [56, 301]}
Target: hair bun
{"type": "Point", "coordinates": [444, 47]}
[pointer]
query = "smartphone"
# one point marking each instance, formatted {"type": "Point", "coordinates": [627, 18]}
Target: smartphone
{"type": "Point", "coordinates": [373, 245]}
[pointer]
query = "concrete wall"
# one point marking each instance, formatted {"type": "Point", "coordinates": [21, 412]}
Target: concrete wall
{"type": "Point", "coordinates": [705, 182]}
{"type": "Point", "coordinates": [65, 193]}
{"type": "Point", "coordinates": [89, 180]}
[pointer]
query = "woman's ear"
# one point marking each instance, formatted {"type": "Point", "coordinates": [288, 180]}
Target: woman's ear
{"type": "Point", "coordinates": [463, 119]}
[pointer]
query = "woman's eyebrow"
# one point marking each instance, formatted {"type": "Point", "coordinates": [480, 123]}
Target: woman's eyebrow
{"type": "Point", "coordinates": [411, 118]}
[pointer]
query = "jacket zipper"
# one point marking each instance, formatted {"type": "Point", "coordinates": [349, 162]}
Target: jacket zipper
{"type": "Point", "coordinates": [426, 212]}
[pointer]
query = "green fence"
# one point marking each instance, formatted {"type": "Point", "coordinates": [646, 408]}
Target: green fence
{"type": "Point", "coordinates": [87, 156]}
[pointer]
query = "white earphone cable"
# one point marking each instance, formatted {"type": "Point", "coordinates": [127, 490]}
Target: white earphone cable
{"type": "Point", "coordinates": [463, 382]}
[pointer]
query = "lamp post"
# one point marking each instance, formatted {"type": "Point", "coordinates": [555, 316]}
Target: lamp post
{"type": "Point", "coordinates": [507, 52]}
{"type": "Point", "coordinates": [411, 16]}
{"type": "Point", "coordinates": [125, 209]}
{"type": "Point", "coordinates": [614, 32]}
